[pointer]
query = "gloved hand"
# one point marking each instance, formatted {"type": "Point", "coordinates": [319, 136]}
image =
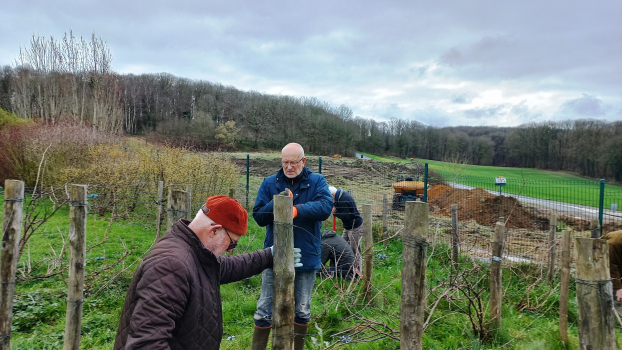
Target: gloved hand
{"type": "Point", "coordinates": [291, 195]}
{"type": "Point", "coordinates": [287, 192]}
{"type": "Point", "coordinates": [297, 256]}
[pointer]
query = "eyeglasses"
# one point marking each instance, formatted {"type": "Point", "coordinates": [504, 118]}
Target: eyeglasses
{"type": "Point", "coordinates": [286, 164]}
{"type": "Point", "coordinates": [233, 244]}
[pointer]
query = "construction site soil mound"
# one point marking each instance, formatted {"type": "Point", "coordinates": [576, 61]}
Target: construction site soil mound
{"type": "Point", "coordinates": [485, 208]}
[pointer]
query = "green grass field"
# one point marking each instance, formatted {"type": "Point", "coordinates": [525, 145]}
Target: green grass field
{"type": "Point", "coordinates": [550, 185]}
{"type": "Point", "coordinates": [529, 313]}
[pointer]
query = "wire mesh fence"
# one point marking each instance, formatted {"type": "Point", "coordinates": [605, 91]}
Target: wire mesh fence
{"type": "Point", "coordinates": [523, 206]}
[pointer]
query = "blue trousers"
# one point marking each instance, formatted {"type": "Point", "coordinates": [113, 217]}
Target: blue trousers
{"type": "Point", "coordinates": [303, 286]}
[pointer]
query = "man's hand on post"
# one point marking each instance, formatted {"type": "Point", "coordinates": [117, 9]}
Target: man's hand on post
{"type": "Point", "coordinates": [297, 256]}
{"type": "Point", "coordinates": [619, 295]}
{"type": "Point", "coordinates": [289, 193]}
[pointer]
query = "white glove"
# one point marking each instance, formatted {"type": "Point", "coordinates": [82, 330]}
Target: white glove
{"type": "Point", "coordinates": [297, 256]}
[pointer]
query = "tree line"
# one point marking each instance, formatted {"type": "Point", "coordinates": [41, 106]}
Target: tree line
{"type": "Point", "coordinates": [72, 80]}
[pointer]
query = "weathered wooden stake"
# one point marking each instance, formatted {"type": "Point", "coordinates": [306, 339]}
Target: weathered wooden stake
{"type": "Point", "coordinates": [159, 216]}
{"type": "Point", "coordinates": [595, 228]}
{"type": "Point", "coordinates": [495, 275]}
{"type": "Point", "coordinates": [9, 251]}
{"type": "Point", "coordinates": [455, 235]}
{"type": "Point", "coordinates": [189, 214]}
{"type": "Point", "coordinates": [368, 241]}
{"type": "Point", "coordinates": [552, 247]}
{"type": "Point", "coordinates": [176, 207]}
{"type": "Point", "coordinates": [232, 192]}
{"type": "Point", "coordinates": [594, 295]}
{"type": "Point", "coordinates": [385, 213]}
{"type": "Point", "coordinates": [563, 289]}
{"type": "Point", "coordinates": [414, 298]}
{"type": "Point", "coordinates": [77, 261]}
{"type": "Point", "coordinates": [284, 274]}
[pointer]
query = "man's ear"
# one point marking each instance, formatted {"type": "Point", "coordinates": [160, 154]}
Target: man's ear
{"type": "Point", "coordinates": [213, 228]}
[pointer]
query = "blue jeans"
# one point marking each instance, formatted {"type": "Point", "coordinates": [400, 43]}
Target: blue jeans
{"type": "Point", "coordinates": [303, 286]}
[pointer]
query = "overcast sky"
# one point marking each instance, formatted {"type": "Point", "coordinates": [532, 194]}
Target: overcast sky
{"type": "Point", "coordinates": [442, 63]}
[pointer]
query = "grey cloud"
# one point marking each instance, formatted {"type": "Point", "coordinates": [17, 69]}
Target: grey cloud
{"type": "Point", "coordinates": [461, 98]}
{"type": "Point", "coordinates": [586, 106]}
{"type": "Point", "coordinates": [479, 113]}
{"type": "Point", "coordinates": [344, 52]}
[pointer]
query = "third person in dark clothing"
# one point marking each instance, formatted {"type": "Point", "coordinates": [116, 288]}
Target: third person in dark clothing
{"type": "Point", "coordinates": [336, 250]}
{"type": "Point", "coordinates": [345, 210]}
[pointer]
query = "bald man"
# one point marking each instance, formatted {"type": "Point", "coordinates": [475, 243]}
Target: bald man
{"type": "Point", "coordinates": [313, 204]}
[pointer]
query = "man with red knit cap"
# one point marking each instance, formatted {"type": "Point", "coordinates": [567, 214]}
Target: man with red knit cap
{"type": "Point", "coordinates": [174, 299]}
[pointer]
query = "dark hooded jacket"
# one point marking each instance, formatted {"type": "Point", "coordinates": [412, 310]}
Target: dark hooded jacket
{"type": "Point", "coordinates": [174, 299]}
{"type": "Point", "coordinates": [336, 250]}
{"type": "Point", "coordinates": [345, 209]}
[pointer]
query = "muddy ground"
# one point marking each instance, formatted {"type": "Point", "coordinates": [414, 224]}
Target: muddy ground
{"type": "Point", "coordinates": [375, 179]}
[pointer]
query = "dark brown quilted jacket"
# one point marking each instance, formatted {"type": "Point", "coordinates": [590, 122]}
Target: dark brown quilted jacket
{"type": "Point", "coordinates": [174, 299]}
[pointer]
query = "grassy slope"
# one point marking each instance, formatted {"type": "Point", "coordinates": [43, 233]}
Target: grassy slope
{"type": "Point", "coordinates": [551, 185]}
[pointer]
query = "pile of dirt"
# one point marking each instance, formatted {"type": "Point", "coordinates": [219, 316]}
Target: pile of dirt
{"type": "Point", "coordinates": [485, 208]}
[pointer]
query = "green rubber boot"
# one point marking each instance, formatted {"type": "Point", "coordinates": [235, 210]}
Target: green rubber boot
{"type": "Point", "coordinates": [299, 338]}
{"type": "Point", "coordinates": [260, 338]}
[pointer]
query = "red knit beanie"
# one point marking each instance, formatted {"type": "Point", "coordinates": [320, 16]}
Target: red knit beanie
{"type": "Point", "coordinates": [227, 212]}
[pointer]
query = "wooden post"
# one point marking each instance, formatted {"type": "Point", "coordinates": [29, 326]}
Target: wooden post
{"type": "Point", "coordinates": [368, 240]}
{"type": "Point", "coordinates": [552, 247]}
{"type": "Point", "coordinates": [594, 295]}
{"type": "Point", "coordinates": [455, 235]}
{"type": "Point", "coordinates": [9, 251]}
{"type": "Point", "coordinates": [232, 192]}
{"type": "Point", "coordinates": [283, 301]}
{"type": "Point", "coordinates": [189, 214]}
{"type": "Point", "coordinates": [176, 207]}
{"type": "Point", "coordinates": [385, 213]}
{"type": "Point", "coordinates": [159, 216]}
{"type": "Point", "coordinates": [77, 261]}
{"type": "Point", "coordinates": [594, 228]}
{"type": "Point", "coordinates": [563, 289]}
{"type": "Point", "coordinates": [414, 297]}
{"type": "Point", "coordinates": [495, 275]}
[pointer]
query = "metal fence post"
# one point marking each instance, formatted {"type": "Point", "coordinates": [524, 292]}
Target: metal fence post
{"type": "Point", "coordinates": [601, 203]}
{"type": "Point", "coordinates": [320, 166]}
{"type": "Point", "coordinates": [425, 184]}
{"type": "Point", "coordinates": [248, 160]}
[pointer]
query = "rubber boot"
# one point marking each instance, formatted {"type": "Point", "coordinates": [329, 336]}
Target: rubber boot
{"type": "Point", "coordinates": [299, 338]}
{"type": "Point", "coordinates": [260, 338]}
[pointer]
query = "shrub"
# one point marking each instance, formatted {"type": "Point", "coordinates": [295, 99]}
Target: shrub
{"type": "Point", "coordinates": [10, 119]}
{"type": "Point", "coordinates": [23, 147]}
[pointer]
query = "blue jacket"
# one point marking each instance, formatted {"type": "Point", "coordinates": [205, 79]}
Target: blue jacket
{"type": "Point", "coordinates": [314, 203]}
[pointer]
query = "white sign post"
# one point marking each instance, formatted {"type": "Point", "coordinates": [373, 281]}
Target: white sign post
{"type": "Point", "coordinates": [500, 181]}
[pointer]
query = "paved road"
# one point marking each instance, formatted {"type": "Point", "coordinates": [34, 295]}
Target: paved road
{"type": "Point", "coordinates": [576, 209]}
{"type": "Point", "coordinates": [360, 156]}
